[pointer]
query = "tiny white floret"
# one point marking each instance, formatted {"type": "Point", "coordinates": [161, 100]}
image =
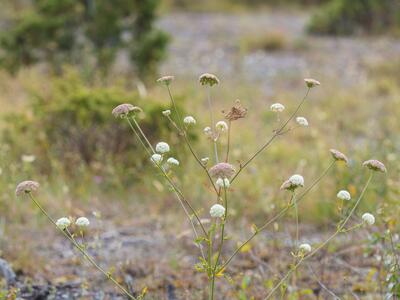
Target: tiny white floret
{"type": "Point", "coordinates": [217, 211]}
{"type": "Point", "coordinates": [156, 158]}
{"type": "Point", "coordinates": [368, 218]}
{"type": "Point", "coordinates": [166, 112]}
{"type": "Point", "coordinates": [162, 147]}
{"type": "Point", "coordinates": [344, 195]}
{"type": "Point", "coordinates": [223, 183]}
{"type": "Point", "coordinates": [305, 248]}
{"type": "Point", "coordinates": [302, 121]}
{"type": "Point", "coordinates": [82, 222]}
{"type": "Point", "coordinates": [277, 107]}
{"type": "Point", "coordinates": [173, 161]}
{"type": "Point", "coordinates": [63, 223]}
{"type": "Point", "coordinates": [189, 120]}
{"type": "Point", "coordinates": [221, 126]}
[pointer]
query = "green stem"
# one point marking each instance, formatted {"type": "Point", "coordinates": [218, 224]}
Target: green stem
{"type": "Point", "coordinates": [82, 251]}
{"type": "Point", "coordinates": [278, 215]}
{"type": "Point", "coordinates": [297, 220]}
{"type": "Point", "coordinates": [277, 133]}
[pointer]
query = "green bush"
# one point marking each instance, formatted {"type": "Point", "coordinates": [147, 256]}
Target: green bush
{"type": "Point", "coordinates": [342, 17]}
{"type": "Point", "coordinates": [76, 31]}
{"type": "Point", "coordinates": [70, 129]}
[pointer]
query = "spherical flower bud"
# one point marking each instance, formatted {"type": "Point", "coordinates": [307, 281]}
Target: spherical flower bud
{"type": "Point", "coordinates": [26, 187]}
{"type": "Point", "coordinates": [375, 165]}
{"type": "Point", "coordinates": [205, 160]}
{"type": "Point", "coordinates": [63, 223]}
{"type": "Point", "coordinates": [166, 112]}
{"type": "Point", "coordinates": [222, 170]}
{"type": "Point", "coordinates": [305, 248]}
{"type": "Point", "coordinates": [189, 120]}
{"type": "Point", "coordinates": [344, 195]}
{"type": "Point", "coordinates": [162, 147]}
{"type": "Point", "coordinates": [156, 158]}
{"type": "Point", "coordinates": [302, 121]}
{"type": "Point", "coordinates": [217, 211]}
{"type": "Point", "coordinates": [223, 183]}
{"type": "Point", "coordinates": [82, 222]}
{"type": "Point", "coordinates": [173, 161]}
{"type": "Point", "coordinates": [368, 218]}
{"type": "Point", "coordinates": [207, 131]}
{"type": "Point", "coordinates": [277, 107]}
{"type": "Point", "coordinates": [311, 82]}
{"type": "Point", "coordinates": [166, 79]}
{"type": "Point", "coordinates": [293, 183]}
{"type": "Point", "coordinates": [221, 126]}
{"type": "Point", "coordinates": [123, 110]}
{"type": "Point", "coordinates": [339, 156]}
{"type": "Point", "coordinates": [208, 79]}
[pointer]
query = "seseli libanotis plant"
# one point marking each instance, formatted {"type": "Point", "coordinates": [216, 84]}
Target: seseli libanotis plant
{"type": "Point", "coordinates": [221, 174]}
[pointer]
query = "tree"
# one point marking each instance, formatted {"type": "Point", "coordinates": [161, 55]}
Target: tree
{"type": "Point", "coordinates": [76, 31]}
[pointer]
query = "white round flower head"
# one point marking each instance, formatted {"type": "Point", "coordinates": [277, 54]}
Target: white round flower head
{"type": "Point", "coordinates": [162, 147]}
{"type": "Point", "coordinates": [166, 112]}
{"type": "Point", "coordinates": [63, 223]}
{"type": "Point", "coordinates": [189, 120]}
{"type": "Point", "coordinates": [217, 211]}
{"type": "Point", "coordinates": [344, 195]}
{"type": "Point", "coordinates": [293, 183]}
{"type": "Point", "coordinates": [368, 218]}
{"type": "Point", "coordinates": [173, 161]}
{"type": "Point", "coordinates": [277, 107]}
{"type": "Point", "coordinates": [82, 222]}
{"type": "Point", "coordinates": [166, 79]}
{"type": "Point", "coordinates": [156, 158]}
{"type": "Point", "coordinates": [205, 160]}
{"type": "Point", "coordinates": [223, 183]}
{"type": "Point", "coordinates": [28, 158]}
{"type": "Point", "coordinates": [302, 121]}
{"type": "Point", "coordinates": [207, 131]}
{"type": "Point", "coordinates": [221, 126]}
{"type": "Point", "coordinates": [310, 82]}
{"type": "Point", "coordinates": [305, 248]}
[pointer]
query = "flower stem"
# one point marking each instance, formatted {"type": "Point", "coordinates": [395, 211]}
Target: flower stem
{"type": "Point", "coordinates": [276, 133]}
{"type": "Point", "coordinates": [339, 230]}
{"type": "Point", "coordinates": [278, 215]}
{"type": "Point", "coordinates": [82, 251]}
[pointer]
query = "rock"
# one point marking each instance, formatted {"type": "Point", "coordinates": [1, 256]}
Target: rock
{"type": "Point", "coordinates": [7, 272]}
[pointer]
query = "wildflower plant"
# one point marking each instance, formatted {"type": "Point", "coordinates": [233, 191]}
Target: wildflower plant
{"type": "Point", "coordinates": [222, 174]}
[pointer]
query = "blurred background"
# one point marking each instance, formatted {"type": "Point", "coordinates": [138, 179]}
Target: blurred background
{"type": "Point", "coordinates": [65, 64]}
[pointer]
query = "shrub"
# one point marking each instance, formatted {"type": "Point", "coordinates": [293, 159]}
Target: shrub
{"type": "Point", "coordinates": [69, 129]}
{"type": "Point", "coordinates": [341, 17]}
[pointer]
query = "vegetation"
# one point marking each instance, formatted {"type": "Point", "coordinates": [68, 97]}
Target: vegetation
{"type": "Point", "coordinates": [341, 17]}
{"type": "Point", "coordinates": [73, 32]}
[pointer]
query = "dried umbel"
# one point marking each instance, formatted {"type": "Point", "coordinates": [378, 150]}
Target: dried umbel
{"type": "Point", "coordinates": [375, 165]}
{"type": "Point", "coordinates": [237, 112]}
{"type": "Point", "coordinates": [26, 187]}
{"type": "Point", "coordinates": [208, 79]}
{"type": "Point", "coordinates": [222, 170]}
{"type": "Point", "coordinates": [123, 110]}
{"type": "Point", "coordinates": [311, 82]}
{"type": "Point", "coordinates": [166, 79]}
{"type": "Point", "coordinates": [293, 183]}
{"type": "Point", "coordinates": [339, 156]}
